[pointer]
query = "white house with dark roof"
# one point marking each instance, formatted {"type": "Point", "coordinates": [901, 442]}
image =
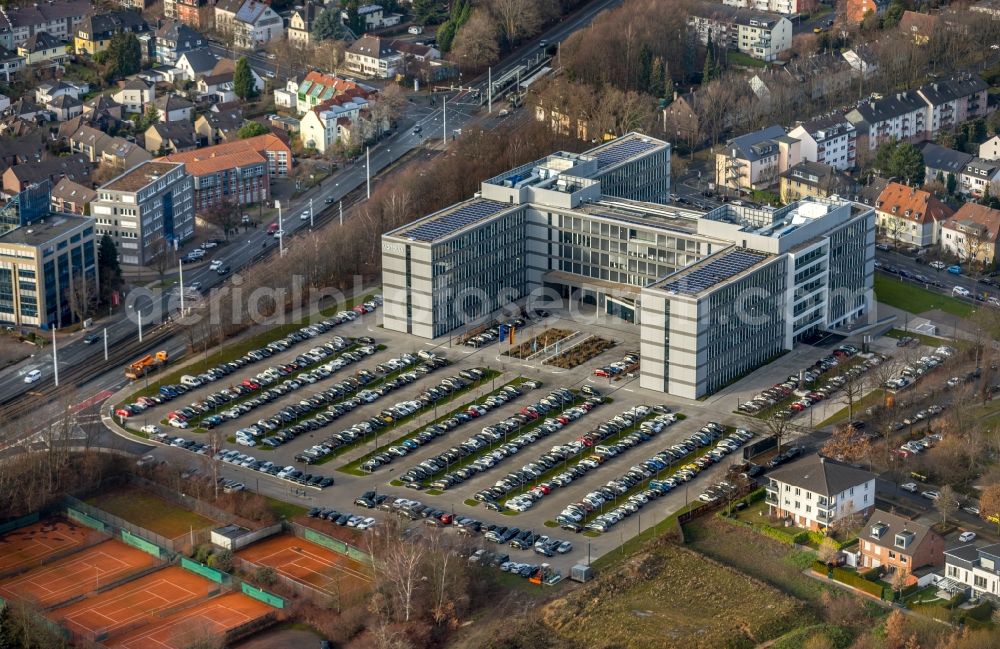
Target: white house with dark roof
{"type": "Point", "coordinates": [374, 57]}
{"type": "Point", "coordinates": [816, 492]}
{"type": "Point", "coordinates": [942, 160]}
{"type": "Point", "coordinates": [899, 116]}
{"type": "Point", "coordinates": [975, 567]}
{"type": "Point", "coordinates": [756, 160]}
{"type": "Point", "coordinates": [829, 140]}
{"type": "Point", "coordinates": [250, 22]}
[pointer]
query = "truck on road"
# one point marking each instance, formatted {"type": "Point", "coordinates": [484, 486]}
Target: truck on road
{"type": "Point", "coordinates": [146, 364]}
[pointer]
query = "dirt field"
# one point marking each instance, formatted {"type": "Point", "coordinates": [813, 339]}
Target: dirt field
{"type": "Point", "coordinates": [210, 619]}
{"type": "Point", "coordinates": [31, 545]}
{"type": "Point", "coordinates": [148, 510]}
{"type": "Point", "coordinates": [142, 599]}
{"type": "Point", "coordinates": [77, 574]}
{"type": "Point", "coordinates": [13, 351]}
{"type": "Point", "coordinates": [310, 564]}
{"type": "Point", "coordinates": [673, 597]}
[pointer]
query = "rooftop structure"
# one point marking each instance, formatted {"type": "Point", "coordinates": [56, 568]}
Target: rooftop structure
{"type": "Point", "coordinates": [140, 176]}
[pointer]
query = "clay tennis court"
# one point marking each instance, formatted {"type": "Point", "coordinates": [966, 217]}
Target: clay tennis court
{"type": "Point", "coordinates": [212, 618]}
{"type": "Point", "coordinates": [311, 564]}
{"type": "Point", "coordinates": [142, 599]}
{"type": "Point", "coordinates": [29, 546]}
{"type": "Point", "coordinates": [76, 574]}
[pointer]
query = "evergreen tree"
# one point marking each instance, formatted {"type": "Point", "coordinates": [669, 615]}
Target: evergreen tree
{"type": "Point", "coordinates": [328, 26]}
{"type": "Point", "coordinates": [252, 129]}
{"type": "Point", "coordinates": [446, 35]}
{"type": "Point", "coordinates": [908, 164]}
{"type": "Point", "coordinates": [668, 83]}
{"type": "Point", "coordinates": [656, 85]}
{"type": "Point", "coordinates": [124, 55]}
{"type": "Point", "coordinates": [354, 19]}
{"type": "Point", "coordinates": [645, 67]}
{"type": "Point", "coordinates": [428, 12]}
{"type": "Point", "coordinates": [708, 72]}
{"type": "Point", "coordinates": [108, 267]}
{"type": "Point", "coordinates": [951, 183]}
{"type": "Point", "coordinates": [243, 83]}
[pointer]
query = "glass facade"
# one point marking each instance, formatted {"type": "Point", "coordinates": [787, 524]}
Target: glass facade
{"type": "Point", "coordinates": [849, 273]}
{"type": "Point", "coordinates": [746, 325]}
{"type": "Point", "coordinates": [476, 272]}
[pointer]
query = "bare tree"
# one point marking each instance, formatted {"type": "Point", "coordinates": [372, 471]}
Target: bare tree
{"type": "Point", "coordinates": [852, 390]}
{"type": "Point", "coordinates": [224, 215]}
{"type": "Point", "coordinates": [159, 258]}
{"type": "Point", "coordinates": [947, 503]}
{"type": "Point", "coordinates": [778, 427]}
{"type": "Point", "coordinates": [82, 296]}
{"type": "Point", "coordinates": [898, 581]}
{"type": "Point", "coordinates": [396, 561]}
{"type": "Point", "coordinates": [476, 43]}
{"type": "Point", "coordinates": [516, 19]}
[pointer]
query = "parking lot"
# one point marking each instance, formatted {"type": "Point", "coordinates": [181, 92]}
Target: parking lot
{"type": "Point", "coordinates": [548, 457]}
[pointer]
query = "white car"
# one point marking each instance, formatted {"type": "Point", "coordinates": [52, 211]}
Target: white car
{"type": "Point", "coordinates": [215, 265]}
{"type": "Point", "coordinates": [961, 290]}
{"type": "Point", "coordinates": [909, 486]}
{"type": "Point", "coordinates": [32, 376]}
{"type": "Point", "coordinates": [931, 495]}
{"type": "Point", "coordinates": [177, 423]}
{"type": "Point", "coordinates": [150, 429]}
{"type": "Point", "coordinates": [304, 216]}
{"type": "Point", "coordinates": [939, 265]}
{"type": "Point", "coordinates": [965, 537]}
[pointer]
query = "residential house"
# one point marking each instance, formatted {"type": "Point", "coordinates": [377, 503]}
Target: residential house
{"type": "Point", "coordinates": [14, 151]}
{"type": "Point", "coordinates": [760, 35]}
{"type": "Point", "coordinates": [899, 116]}
{"type": "Point", "coordinates": [990, 149]}
{"type": "Point", "coordinates": [953, 101]}
{"type": "Point", "coordinates": [57, 18]}
{"type": "Point", "coordinates": [69, 197]}
{"type": "Point", "coordinates": [19, 177]}
{"type": "Point", "coordinates": [175, 38]}
{"type": "Point", "coordinates": [419, 61]}
{"type": "Point", "coordinates": [49, 90]}
{"type": "Point", "coordinates": [316, 88]}
{"type": "Point", "coordinates": [971, 233]}
{"type": "Point", "coordinates": [137, 4]}
{"type": "Point", "coordinates": [214, 128]}
{"type": "Point", "coordinates": [910, 215]}
{"type": "Point", "coordinates": [103, 111]}
{"type": "Point", "coordinates": [42, 48]}
{"type": "Point", "coordinates": [27, 110]}
{"type": "Point", "coordinates": [817, 76]}
{"type": "Point", "coordinates": [898, 544]}
{"type": "Point", "coordinates": [785, 7]}
{"type": "Point", "coordinates": [170, 137]}
{"type": "Point", "coordinates": [323, 126]}
{"type": "Point", "coordinates": [145, 210]}
{"type": "Point", "coordinates": [197, 63]}
{"type": "Point", "coordinates": [372, 56]}
{"type": "Point", "coordinates": [65, 107]}
{"type": "Point", "coordinates": [250, 23]}
{"type": "Point", "coordinates": [373, 16]}
{"type": "Point", "coordinates": [276, 150]}
{"type": "Point", "coordinates": [99, 147]}
{"type": "Point", "coordinates": [300, 25]}
{"type": "Point", "coordinates": [978, 177]}
{"type": "Point", "coordinates": [817, 492]}
{"type": "Point", "coordinates": [829, 140]}
{"type": "Point", "coordinates": [10, 62]}
{"type": "Point", "coordinates": [94, 33]}
{"type": "Point", "coordinates": [977, 568]}
{"type": "Point", "coordinates": [856, 10]}
{"type": "Point", "coordinates": [682, 116]}
{"type": "Point", "coordinates": [217, 86]}
{"type": "Point", "coordinates": [173, 108]}
{"type": "Point", "coordinates": [134, 95]}
{"type": "Point", "coordinates": [813, 179]}
{"type": "Point", "coordinates": [862, 59]}
{"type": "Point", "coordinates": [756, 160]}
{"type": "Point", "coordinates": [941, 162]}
{"type": "Point", "coordinates": [198, 14]}
{"type": "Point", "coordinates": [920, 27]}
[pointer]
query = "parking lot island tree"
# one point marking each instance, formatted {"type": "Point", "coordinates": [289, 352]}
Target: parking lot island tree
{"type": "Point", "coordinates": [947, 503]}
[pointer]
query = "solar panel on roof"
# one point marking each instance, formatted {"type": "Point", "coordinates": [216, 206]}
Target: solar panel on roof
{"type": "Point", "coordinates": [622, 151]}
{"type": "Point", "coordinates": [715, 271]}
{"type": "Point", "coordinates": [465, 215]}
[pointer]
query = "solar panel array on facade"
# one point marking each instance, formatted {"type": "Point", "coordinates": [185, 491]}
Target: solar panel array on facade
{"type": "Point", "coordinates": [717, 270]}
{"type": "Point", "coordinates": [438, 227]}
{"type": "Point", "coordinates": [623, 151]}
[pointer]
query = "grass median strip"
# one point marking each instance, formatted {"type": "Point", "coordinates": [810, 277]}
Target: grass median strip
{"type": "Point", "coordinates": [915, 299]}
{"type": "Point", "coordinates": [353, 468]}
{"type": "Point", "coordinates": [240, 348]}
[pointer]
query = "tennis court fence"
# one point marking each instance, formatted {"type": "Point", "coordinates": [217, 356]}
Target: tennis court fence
{"type": "Point", "coordinates": [284, 583]}
{"type": "Point", "coordinates": [330, 543]}
{"type": "Point", "coordinates": [118, 524]}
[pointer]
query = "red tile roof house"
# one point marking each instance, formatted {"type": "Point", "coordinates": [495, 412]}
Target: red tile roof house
{"type": "Point", "coordinates": [895, 543]}
{"type": "Point", "coordinates": [909, 215]}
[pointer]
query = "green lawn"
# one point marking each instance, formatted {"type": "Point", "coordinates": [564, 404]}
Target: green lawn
{"type": "Point", "coordinates": [745, 60]}
{"type": "Point", "coordinates": [874, 398]}
{"type": "Point", "coordinates": [285, 510]}
{"type": "Point", "coordinates": [915, 299]}
{"type": "Point", "coordinates": [924, 339]}
{"type": "Point", "coordinates": [148, 510]}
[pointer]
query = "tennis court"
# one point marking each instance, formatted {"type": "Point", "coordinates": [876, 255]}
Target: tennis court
{"type": "Point", "coordinates": [77, 574]}
{"type": "Point", "coordinates": [212, 618]}
{"type": "Point", "coordinates": [145, 598]}
{"type": "Point", "coordinates": [311, 564]}
{"type": "Point", "coordinates": [29, 546]}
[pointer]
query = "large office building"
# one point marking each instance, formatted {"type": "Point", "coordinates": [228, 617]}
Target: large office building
{"type": "Point", "coordinates": [48, 262]}
{"type": "Point", "coordinates": [714, 294]}
{"type": "Point", "coordinates": [146, 210]}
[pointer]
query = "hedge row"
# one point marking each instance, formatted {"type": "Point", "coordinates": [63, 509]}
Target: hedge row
{"type": "Point", "coordinates": [871, 574]}
{"type": "Point", "coordinates": [755, 496]}
{"type": "Point", "coordinates": [789, 538]}
{"type": "Point", "coordinates": [854, 579]}
{"type": "Point", "coordinates": [820, 568]}
{"type": "Point", "coordinates": [957, 599]}
{"type": "Point", "coordinates": [981, 611]}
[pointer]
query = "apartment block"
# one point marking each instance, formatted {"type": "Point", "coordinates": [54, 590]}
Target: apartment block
{"type": "Point", "coordinates": [817, 492]}
{"type": "Point", "coordinates": [829, 140]}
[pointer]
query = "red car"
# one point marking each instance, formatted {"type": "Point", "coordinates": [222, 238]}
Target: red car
{"type": "Point", "coordinates": [122, 412]}
{"type": "Point", "coordinates": [253, 385]}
